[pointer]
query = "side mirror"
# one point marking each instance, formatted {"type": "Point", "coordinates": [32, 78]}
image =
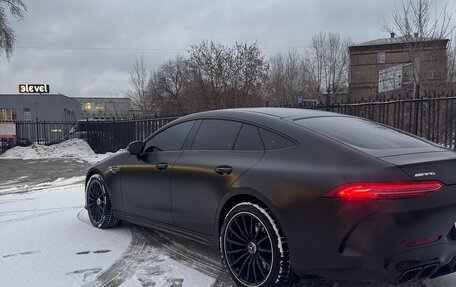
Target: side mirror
{"type": "Point", "coordinates": [135, 147]}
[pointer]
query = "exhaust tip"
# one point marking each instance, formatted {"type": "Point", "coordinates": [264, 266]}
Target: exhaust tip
{"type": "Point", "coordinates": [418, 273]}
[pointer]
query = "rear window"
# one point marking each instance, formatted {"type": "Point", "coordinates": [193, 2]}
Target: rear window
{"type": "Point", "coordinates": [249, 139]}
{"type": "Point", "coordinates": [274, 141]}
{"type": "Point", "coordinates": [362, 133]}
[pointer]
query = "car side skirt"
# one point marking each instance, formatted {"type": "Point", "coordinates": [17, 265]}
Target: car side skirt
{"type": "Point", "coordinates": [165, 228]}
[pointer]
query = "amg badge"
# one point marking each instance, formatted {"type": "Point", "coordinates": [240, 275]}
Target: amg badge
{"type": "Point", "coordinates": [421, 174]}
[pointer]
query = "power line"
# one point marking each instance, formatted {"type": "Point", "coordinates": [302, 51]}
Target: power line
{"type": "Point", "coordinates": [136, 49]}
{"type": "Point", "coordinates": [98, 48]}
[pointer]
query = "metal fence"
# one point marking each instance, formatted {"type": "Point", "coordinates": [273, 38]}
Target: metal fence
{"type": "Point", "coordinates": [42, 132]}
{"type": "Point", "coordinates": [431, 118]}
{"type": "Point", "coordinates": [110, 136]}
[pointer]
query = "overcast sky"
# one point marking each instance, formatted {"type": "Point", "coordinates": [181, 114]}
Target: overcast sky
{"type": "Point", "coordinates": [86, 48]}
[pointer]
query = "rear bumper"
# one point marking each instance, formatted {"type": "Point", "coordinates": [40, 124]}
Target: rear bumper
{"type": "Point", "coordinates": [422, 263]}
{"type": "Point", "coordinates": [362, 241]}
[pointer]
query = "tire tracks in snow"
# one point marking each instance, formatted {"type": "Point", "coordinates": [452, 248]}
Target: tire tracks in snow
{"type": "Point", "coordinates": [123, 268]}
{"type": "Point", "coordinates": [143, 249]}
{"type": "Point", "coordinates": [35, 213]}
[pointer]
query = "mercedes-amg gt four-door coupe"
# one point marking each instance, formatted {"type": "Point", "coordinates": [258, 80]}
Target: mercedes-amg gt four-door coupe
{"type": "Point", "coordinates": [286, 193]}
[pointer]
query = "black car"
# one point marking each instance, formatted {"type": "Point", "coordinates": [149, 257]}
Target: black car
{"type": "Point", "coordinates": [286, 193]}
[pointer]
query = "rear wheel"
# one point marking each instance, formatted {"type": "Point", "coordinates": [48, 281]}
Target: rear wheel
{"type": "Point", "coordinates": [98, 203]}
{"type": "Point", "coordinates": [253, 248]}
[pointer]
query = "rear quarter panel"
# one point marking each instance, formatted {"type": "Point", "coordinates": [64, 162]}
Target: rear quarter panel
{"type": "Point", "coordinates": [294, 181]}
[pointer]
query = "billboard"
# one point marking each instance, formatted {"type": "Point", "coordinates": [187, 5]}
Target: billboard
{"type": "Point", "coordinates": [7, 130]}
{"type": "Point", "coordinates": [390, 79]}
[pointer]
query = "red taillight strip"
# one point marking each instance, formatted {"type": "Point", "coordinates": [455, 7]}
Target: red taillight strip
{"type": "Point", "coordinates": [385, 190]}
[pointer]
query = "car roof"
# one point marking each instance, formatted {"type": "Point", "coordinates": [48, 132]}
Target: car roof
{"type": "Point", "coordinates": [282, 113]}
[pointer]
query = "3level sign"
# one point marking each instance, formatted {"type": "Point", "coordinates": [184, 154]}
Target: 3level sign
{"type": "Point", "coordinates": [34, 88]}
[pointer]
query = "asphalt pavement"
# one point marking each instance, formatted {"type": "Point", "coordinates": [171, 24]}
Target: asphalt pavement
{"type": "Point", "coordinates": [17, 173]}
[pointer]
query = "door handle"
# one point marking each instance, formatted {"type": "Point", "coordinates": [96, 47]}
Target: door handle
{"type": "Point", "coordinates": [161, 166]}
{"type": "Point", "coordinates": [224, 169]}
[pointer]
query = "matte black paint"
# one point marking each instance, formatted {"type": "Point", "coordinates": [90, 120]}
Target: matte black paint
{"type": "Point", "coordinates": [334, 238]}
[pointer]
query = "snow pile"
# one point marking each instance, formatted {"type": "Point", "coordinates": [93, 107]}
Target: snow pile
{"type": "Point", "coordinates": [72, 148]}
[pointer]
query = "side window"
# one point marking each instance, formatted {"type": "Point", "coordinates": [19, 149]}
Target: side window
{"type": "Point", "coordinates": [170, 139]}
{"type": "Point", "coordinates": [249, 139]}
{"type": "Point", "coordinates": [274, 141]}
{"type": "Point", "coordinates": [216, 135]}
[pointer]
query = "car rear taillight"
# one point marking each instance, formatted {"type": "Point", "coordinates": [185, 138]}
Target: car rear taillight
{"type": "Point", "coordinates": [385, 190]}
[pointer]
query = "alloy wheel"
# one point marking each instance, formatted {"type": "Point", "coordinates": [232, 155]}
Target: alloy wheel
{"type": "Point", "coordinates": [96, 201]}
{"type": "Point", "coordinates": [248, 249]}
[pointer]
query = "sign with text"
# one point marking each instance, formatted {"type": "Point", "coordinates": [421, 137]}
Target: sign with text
{"type": "Point", "coordinates": [34, 88]}
{"type": "Point", "coordinates": [7, 130]}
{"type": "Point", "coordinates": [390, 79]}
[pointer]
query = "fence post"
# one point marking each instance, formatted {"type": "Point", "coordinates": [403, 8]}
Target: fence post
{"type": "Point", "coordinates": [417, 104]}
{"type": "Point", "coordinates": [37, 131]}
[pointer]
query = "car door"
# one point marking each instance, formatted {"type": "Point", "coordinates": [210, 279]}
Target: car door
{"type": "Point", "coordinates": [145, 179]}
{"type": "Point", "coordinates": [221, 152]}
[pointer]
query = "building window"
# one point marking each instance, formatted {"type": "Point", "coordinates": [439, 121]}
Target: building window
{"type": "Point", "coordinates": [7, 114]}
{"type": "Point", "coordinates": [99, 107]}
{"type": "Point", "coordinates": [27, 114]}
{"type": "Point", "coordinates": [87, 106]}
{"type": "Point", "coordinates": [381, 57]}
{"type": "Point", "coordinates": [432, 74]}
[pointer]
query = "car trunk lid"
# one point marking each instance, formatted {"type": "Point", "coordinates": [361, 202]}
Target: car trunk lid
{"type": "Point", "coordinates": [426, 166]}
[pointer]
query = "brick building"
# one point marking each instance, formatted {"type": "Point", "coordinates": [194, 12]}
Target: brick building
{"type": "Point", "coordinates": [393, 61]}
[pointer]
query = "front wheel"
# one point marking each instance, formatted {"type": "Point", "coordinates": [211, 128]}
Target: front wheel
{"type": "Point", "coordinates": [98, 203]}
{"type": "Point", "coordinates": [253, 248]}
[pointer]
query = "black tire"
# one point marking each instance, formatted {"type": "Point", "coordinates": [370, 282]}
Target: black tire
{"type": "Point", "coordinates": [98, 203]}
{"type": "Point", "coordinates": [253, 248]}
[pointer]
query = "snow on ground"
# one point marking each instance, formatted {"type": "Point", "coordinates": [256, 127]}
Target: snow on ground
{"type": "Point", "coordinates": [72, 148]}
{"type": "Point", "coordinates": [46, 239]}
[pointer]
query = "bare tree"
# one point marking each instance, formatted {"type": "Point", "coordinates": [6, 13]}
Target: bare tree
{"type": "Point", "coordinates": [138, 92]}
{"type": "Point", "coordinates": [7, 37]}
{"type": "Point", "coordinates": [336, 63]}
{"type": "Point", "coordinates": [289, 77]}
{"type": "Point", "coordinates": [171, 81]}
{"type": "Point", "coordinates": [226, 77]}
{"type": "Point", "coordinates": [155, 98]}
{"type": "Point", "coordinates": [327, 59]}
{"type": "Point", "coordinates": [316, 57]}
{"type": "Point", "coordinates": [277, 93]}
{"type": "Point", "coordinates": [421, 26]}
